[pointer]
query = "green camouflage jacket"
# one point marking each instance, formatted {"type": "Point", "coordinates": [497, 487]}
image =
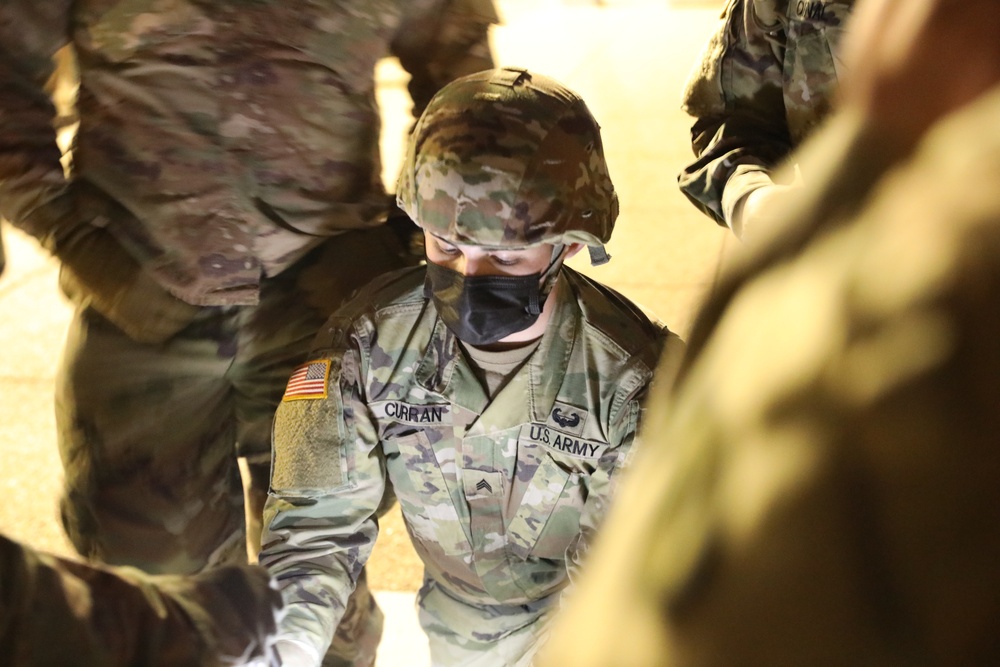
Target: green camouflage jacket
{"type": "Point", "coordinates": [221, 140]}
{"type": "Point", "coordinates": [763, 82]}
{"type": "Point", "coordinates": [500, 497]}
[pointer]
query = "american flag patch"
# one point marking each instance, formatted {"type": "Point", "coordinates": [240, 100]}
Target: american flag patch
{"type": "Point", "coordinates": [308, 381]}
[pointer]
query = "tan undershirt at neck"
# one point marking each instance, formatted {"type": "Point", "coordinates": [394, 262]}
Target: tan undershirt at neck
{"type": "Point", "coordinates": [494, 367]}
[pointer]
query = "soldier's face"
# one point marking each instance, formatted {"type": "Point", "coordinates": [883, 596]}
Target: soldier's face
{"type": "Point", "coordinates": [473, 260]}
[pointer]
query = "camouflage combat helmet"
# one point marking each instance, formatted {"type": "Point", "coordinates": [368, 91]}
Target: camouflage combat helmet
{"type": "Point", "coordinates": [506, 158]}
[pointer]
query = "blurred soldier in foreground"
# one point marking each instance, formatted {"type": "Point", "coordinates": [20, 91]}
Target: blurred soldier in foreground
{"type": "Point", "coordinates": [825, 489]}
{"type": "Point", "coordinates": [765, 80]}
{"type": "Point", "coordinates": [56, 612]}
{"type": "Point", "coordinates": [225, 197]}
{"type": "Point", "coordinates": [498, 390]}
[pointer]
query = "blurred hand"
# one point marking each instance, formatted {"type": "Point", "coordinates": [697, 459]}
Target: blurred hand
{"type": "Point", "coordinates": [235, 607]}
{"type": "Point", "coordinates": [127, 296]}
{"type": "Point", "coordinates": [295, 654]}
{"type": "Point", "coordinates": [97, 271]}
{"type": "Point", "coordinates": [757, 209]}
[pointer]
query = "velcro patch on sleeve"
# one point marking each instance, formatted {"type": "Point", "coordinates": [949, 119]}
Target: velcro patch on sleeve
{"type": "Point", "coordinates": [308, 449]}
{"type": "Point", "coordinates": [308, 381]}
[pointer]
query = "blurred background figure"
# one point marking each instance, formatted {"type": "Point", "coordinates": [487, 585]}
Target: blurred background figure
{"type": "Point", "coordinates": [224, 197]}
{"type": "Point", "coordinates": [59, 612]}
{"type": "Point", "coordinates": [826, 489]}
{"type": "Point", "coordinates": [764, 81]}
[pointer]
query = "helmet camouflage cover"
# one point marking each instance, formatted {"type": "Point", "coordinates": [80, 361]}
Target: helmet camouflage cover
{"type": "Point", "coordinates": [506, 158]}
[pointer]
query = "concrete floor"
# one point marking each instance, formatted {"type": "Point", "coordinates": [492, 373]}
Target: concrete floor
{"type": "Point", "coordinates": [627, 58]}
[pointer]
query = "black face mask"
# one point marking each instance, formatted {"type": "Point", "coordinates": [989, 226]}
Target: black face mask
{"type": "Point", "coordinates": [481, 310]}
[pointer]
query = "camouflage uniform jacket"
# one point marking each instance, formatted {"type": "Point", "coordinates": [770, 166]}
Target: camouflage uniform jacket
{"type": "Point", "coordinates": [500, 497]}
{"type": "Point", "coordinates": [218, 141]}
{"type": "Point", "coordinates": [764, 81]}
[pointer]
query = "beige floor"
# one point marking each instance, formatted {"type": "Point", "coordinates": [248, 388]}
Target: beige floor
{"type": "Point", "coordinates": [627, 58]}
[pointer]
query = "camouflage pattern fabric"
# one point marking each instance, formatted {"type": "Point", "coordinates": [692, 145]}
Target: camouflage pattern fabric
{"type": "Point", "coordinates": [147, 434]}
{"type": "Point", "coordinates": [541, 147]}
{"type": "Point", "coordinates": [483, 635]}
{"type": "Point", "coordinates": [219, 141]}
{"type": "Point", "coordinates": [764, 81]}
{"type": "Point", "coordinates": [226, 158]}
{"type": "Point", "coordinates": [827, 495]}
{"type": "Point", "coordinates": [500, 496]}
{"type": "Point", "coordinates": [60, 612]}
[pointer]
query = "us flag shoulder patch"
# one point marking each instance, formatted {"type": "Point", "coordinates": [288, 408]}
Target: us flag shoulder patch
{"type": "Point", "coordinates": [308, 381]}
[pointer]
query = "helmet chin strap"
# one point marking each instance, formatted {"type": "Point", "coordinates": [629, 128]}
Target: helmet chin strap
{"type": "Point", "coordinates": [551, 272]}
{"type": "Point", "coordinates": [598, 255]}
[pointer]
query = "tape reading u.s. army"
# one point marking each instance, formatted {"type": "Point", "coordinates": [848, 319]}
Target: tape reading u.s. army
{"type": "Point", "coordinates": [564, 443]}
{"type": "Point", "coordinates": [408, 413]}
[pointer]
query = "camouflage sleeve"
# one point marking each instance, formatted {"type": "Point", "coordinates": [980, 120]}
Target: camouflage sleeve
{"type": "Point", "coordinates": [55, 611]}
{"type": "Point", "coordinates": [327, 480]}
{"type": "Point", "coordinates": [735, 95]}
{"type": "Point", "coordinates": [441, 40]}
{"type": "Point", "coordinates": [33, 190]}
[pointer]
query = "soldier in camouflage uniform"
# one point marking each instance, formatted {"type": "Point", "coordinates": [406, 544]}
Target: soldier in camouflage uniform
{"type": "Point", "coordinates": [56, 612]}
{"type": "Point", "coordinates": [224, 198]}
{"type": "Point", "coordinates": [826, 488]}
{"type": "Point", "coordinates": [497, 390]}
{"type": "Point", "coordinates": [762, 84]}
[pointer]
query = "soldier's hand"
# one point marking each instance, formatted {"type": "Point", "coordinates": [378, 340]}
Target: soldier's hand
{"type": "Point", "coordinates": [98, 272]}
{"type": "Point", "coordinates": [235, 607]}
{"type": "Point", "coordinates": [291, 653]}
{"type": "Point", "coordinates": [757, 209]}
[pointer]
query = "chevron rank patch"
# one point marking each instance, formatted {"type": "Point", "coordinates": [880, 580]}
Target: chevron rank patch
{"type": "Point", "coordinates": [308, 381]}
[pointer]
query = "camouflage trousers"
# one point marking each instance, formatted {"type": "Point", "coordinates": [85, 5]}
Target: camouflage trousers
{"type": "Point", "coordinates": [464, 635]}
{"type": "Point", "coordinates": [152, 436]}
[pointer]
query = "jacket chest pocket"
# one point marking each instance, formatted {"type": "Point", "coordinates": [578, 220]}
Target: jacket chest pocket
{"type": "Point", "coordinates": [812, 69]}
{"type": "Point", "coordinates": [423, 479]}
{"type": "Point", "coordinates": [548, 518]}
{"type": "Point", "coordinates": [815, 30]}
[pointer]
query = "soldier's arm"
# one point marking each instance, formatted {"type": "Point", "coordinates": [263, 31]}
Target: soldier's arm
{"type": "Point", "coordinates": [441, 40]}
{"type": "Point", "coordinates": [33, 189]}
{"type": "Point", "coordinates": [55, 611]}
{"type": "Point", "coordinates": [327, 481]}
{"type": "Point", "coordinates": [735, 95]}
{"type": "Point", "coordinates": [64, 213]}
